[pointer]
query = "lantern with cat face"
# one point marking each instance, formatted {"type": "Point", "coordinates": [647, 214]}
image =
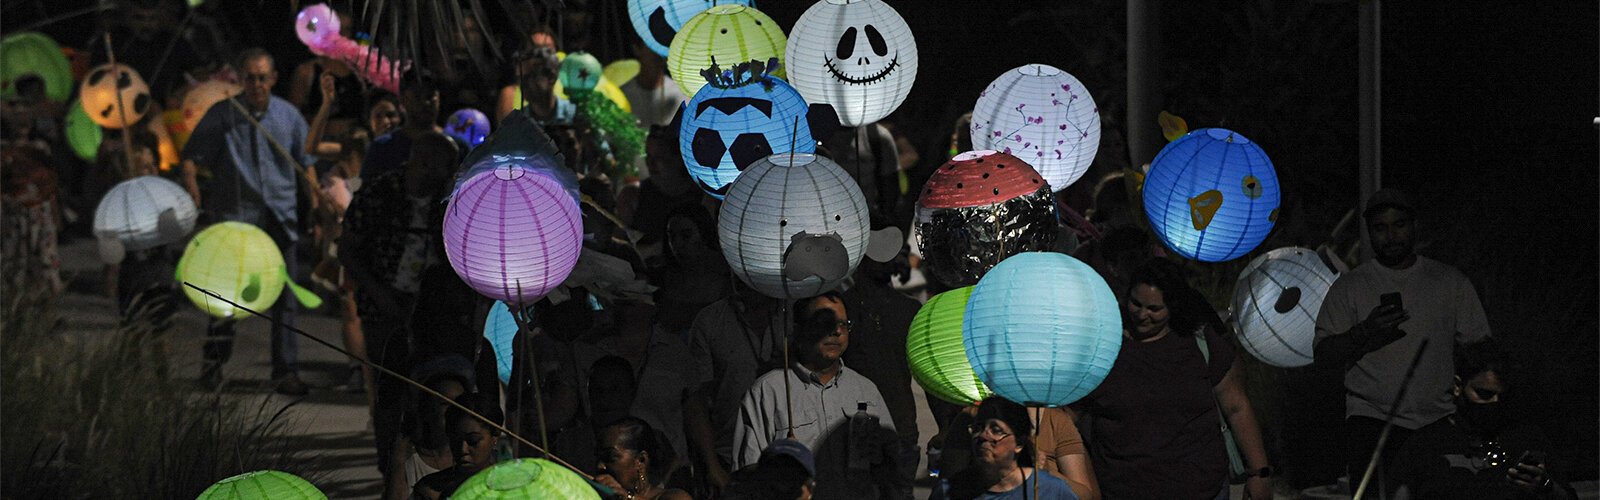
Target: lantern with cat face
{"type": "Point", "coordinates": [99, 95]}
{"type": "Point", "coordinates": [857, 55]}
{"type": "Point", "coordinates": [741, 116]}
{"type": "Point", "coordinates": [658, 21]}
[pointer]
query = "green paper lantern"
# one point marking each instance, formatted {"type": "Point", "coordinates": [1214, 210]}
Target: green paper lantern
{"type": "Point", "coordinates": [525, 478]}
{"type": "Point", "coordinates": [724, 35]}
{"type": "Point", "coordinates": [82, 133]}
{"type": "Point", "coordinates": [241, 263]}
{"type": "Point", "coordinates": [580, 71]}
{"type": "Point", "coordinates": [32, 53]}
{"type": "Point", "coordinates": [938, 357]}
{"type": "Point", "coordinates": [262, 485]}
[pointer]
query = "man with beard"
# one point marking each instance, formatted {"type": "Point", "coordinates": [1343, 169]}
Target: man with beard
{"type": "Point", "coordinates": [1373, 321]}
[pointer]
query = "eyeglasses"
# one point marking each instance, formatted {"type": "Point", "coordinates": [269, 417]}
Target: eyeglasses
{"type": "Point", "coordinates": [257, 78]}
{"type": "Point", "coordinates": [993, 429]}
{"type": "Point", "coordinates": [843, 326]}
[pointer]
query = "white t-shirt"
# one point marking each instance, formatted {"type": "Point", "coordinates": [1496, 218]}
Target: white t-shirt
{"type": "Point", "coordinates": [653, 106]}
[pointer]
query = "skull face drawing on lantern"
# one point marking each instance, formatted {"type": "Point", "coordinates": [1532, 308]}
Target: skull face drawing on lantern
{"type": "Point", "coordinates": [857, 55]}
{"type": "Point", "coordinates": [108, 90]}
{"type": "Point", "coordinates": [658, 21]}
{"type": "Point", "coordinates": [742, 115]}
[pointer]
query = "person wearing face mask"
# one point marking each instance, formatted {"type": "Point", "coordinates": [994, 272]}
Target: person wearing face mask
{"type": "Point", "coordinates": [1481, 450]}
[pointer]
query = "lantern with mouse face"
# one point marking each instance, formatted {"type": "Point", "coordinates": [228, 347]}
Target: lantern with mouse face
{"type": "Point", "coordinates": [794, 227]}
{"type": "Point", "coordinates": [741, 116]}
{"type": "Point", "coordinates": [857, 55]}
{"type": "Point", "coordinates": [658, 21]}
{"type": "Point", "coordinates": [100, 92]}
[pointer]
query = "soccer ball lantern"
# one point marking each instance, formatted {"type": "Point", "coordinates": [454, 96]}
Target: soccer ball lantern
{"type": "Point", "coordinates": [1275, 304]}
{"type": "Point", "coordinates": [856, 55]}
{"type": "Point", "coordinates": [1042, 115]}
{"type": "Point", "coordinates": [793, 226]}
{"type": "Point", "coordinates": [100, 92]}
{"type": "Point", "coordinates": [737, 119]}
{"type": "Point", "coordinates": [724, 34]}
{"type": "Point", "coordinates": [657, 21]}
{"type": "Point", "coordinates": [1211, 195]}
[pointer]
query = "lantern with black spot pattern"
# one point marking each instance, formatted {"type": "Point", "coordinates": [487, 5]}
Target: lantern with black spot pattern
{"type": "Point", "coordinates": [725, 34]}
{"type": "Point", "coordinates": [1211, 195]}
{"type": "Point", "coordinates": [742, 116]}
{"type": "Point", "coordinates": [657, 21]}
{"type": "Point", "coordinates": [793, 225]}
{"type": "Point", "coordinates": [114, 96]}
{"type": "Point", "coordinates": [1275, 305]}
{"type": "Point", "coordinates": [1042, 115]}
{"type": "Point", "coordinates": [857, 55]}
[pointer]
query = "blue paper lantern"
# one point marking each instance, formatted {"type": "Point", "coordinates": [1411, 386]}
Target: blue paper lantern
{"type": "Point", "coordinates": [1042, 329]}
{"type": "Point", "coordinates": [658, 21]}
{"type": "Point", "coordinates": [1212, 195]}
{"type": "Point", "coordinates": [737, 119]}
{"type": "Point", "coordinates": [469, 125]}
{"type": "Point", "coordinates": [500, 329]}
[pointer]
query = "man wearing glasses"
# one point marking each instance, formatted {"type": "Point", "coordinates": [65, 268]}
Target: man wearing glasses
{"type": "Point", "coordinates": [855, 459]}
{"type": "Point", "coordinates": [252, 182]}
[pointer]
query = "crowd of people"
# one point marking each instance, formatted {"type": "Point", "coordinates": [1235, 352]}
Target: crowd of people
{"type": "Point", "coordinates": [681, 381]}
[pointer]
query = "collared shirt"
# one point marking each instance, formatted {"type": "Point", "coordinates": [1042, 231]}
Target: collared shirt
{"type": "Point", "coordinates": [249, 179]}
{"type": "Point", "coordinates": [821, 415]}
{"type": "Point", "coordinates": [731, 356]}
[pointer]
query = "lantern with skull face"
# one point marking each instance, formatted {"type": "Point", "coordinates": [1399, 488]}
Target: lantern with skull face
{"type": "Point", "coordinates": [857, 55]}
{"type": "Point", "coordinates": [727, 33]}
{"type": "Point", "coordinates": [742, 116]}
{"type": "Point", "coordinates": [658, 21]}
{"type": "Point", "coordinates": [100, 94]}
{"type": "Point", "coordinates": [1275, 304]}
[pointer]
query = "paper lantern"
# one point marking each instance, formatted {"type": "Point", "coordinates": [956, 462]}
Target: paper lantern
{"type": "Point", "coordinates": [1042, 329]}
{"type": "Point", "coordinates": [200, 99]}
{"type": "Point", "coordinates": [241, 263]}
{"type": "Point", "coordinates": [30, 53]}
{"type": "Point", "coordinates": [978, 209]}
{"type": "Point", "coordinates": [1275, 305]}
{"type": "Point", "coordinates": [100, 90]}
{"type": "Point", "coordinates": [145, 212]}
{"type": "Point", "coordinates": [657, 21]}
{"type": "Point", "coordinates": [263, 485]}
{"type": "Point", "coordinates": [724, 34]}
{"type": "Point", "coordinates": [736, 121]}
{"type": "Point", "coordinates": [1042, 115]}
{"type": "Point", "coordinates": [82, 133]}
{"type": "Point", "coordinates": [580, 71]}
{"type": "Point", "coordinates": [937, 356]}
{"type": "Point", "coordinates": [500, 329]}
{"type": "Point", "coordinates": [511, 232]}
{"type": "Point", "coordinates": [621, 71]}
{"type": "Point", "coordinates": [525, 478]}
{"type": "Point", "coordinates": [469, 125]}
{"type": "Point", "coordinates": [317, 26]}
{"type": "Point", "coordinates": [856, 55]}
{"type": "Point", "coordinates": [1211, 195]}
{"type": "Point", "coordinates": [793, 226]}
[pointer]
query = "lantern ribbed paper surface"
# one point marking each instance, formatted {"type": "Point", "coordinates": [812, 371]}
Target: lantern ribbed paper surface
{"type": "Point", "coordinates": [1042, 329]}
{"type": "Point", "coordinates": [512, 233]}
{"type": "Point", "coordinates": [469, 125]}
{"type": "Point", "coordinates": [31, 53]}
{"type": "Point", "coordinates": [936, 353]}
{"type": "Point", "coordinates": [785, 196]}
{"type": "Point", "coordinates": [1042, 115]}
{"type": "Point", "coordinates": [725, 129]}
{"type": "Point", "coordinates": [525, 478]}
{"type": "Point", "coordinates": [722, 35]}
{"type": "Point", "coordinates": [979, 178]}
{"type": "Point", "coordinates": [658, 21]}
{"type": "Point", "coordinates": [500, 329]}
{"type": "Point", "coordinates": [263, 485]}
{"type": "Point", "coordinates": [237, 261]}
{"type": "Point", "coordinates": [145, 212]}
{"type": "Point", "coordinates": [857, 55]}
{"type": "Point", "coordinates": [1211, 195]}
{"type": "Point", "coordinates": [98, 94]}
{"type": "Point", "coordinates": [1275, 305]}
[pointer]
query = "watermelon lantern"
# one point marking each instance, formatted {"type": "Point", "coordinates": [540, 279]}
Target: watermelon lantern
{"type": "Point", "coordinates": [978, 209]}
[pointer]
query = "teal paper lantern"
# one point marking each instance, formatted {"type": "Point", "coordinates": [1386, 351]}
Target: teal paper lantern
{"type": "Point", "coordinates": [1212, 195]}
{"type": "Point", "coordinates": [525, 478]}
{"type": "Point", "coordinates": [500, 329]}
{"type": "Point", "coordinates": [936, 353]}
{"type": "Point", "coordinates": [580, 71]}
{"type": "Point", "coordinates": [1042, 329]}
{"type": "Point", "coordinates": [262, 485]}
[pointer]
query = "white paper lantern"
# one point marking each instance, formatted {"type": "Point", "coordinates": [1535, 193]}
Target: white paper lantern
{"type": "Point", "coordinates": [1275, 304]}
{"type": "Point", "coordinates": [793, 225]}
{"type": "Point", "coordinates": [145, 212]}
{"type": "Point", "coordinates": [1042, 115]}
{"type": "Point", "coordinates": [857, 55]}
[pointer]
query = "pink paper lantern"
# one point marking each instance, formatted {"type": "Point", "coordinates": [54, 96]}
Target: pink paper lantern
{"type": "Point", "coordinates": [512, 232]}
{"type": "Point", "coordinates": [316, 26]}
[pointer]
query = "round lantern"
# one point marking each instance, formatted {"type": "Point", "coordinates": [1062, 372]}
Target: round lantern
{"type": "Point", "coordinates": [1275, 304]}
{"type": "Point", "coordinates": [317, 26]}
{"type": "Point", "coordinates": [937, 356]}
{"type": "Point", "coordinates": [511, 232]}
{"type": "Point", "coordinates": [263, 485]}
{"type": "Point", "coordinates": [100, 91]}
{"type": "Point", "coordinates": [30, 53]}
{"type": "Point", "coordinates": [200, 99]}
{"type": "Point", "coordinates": [525, 478]}
{"type": "Point", "coordinates": [580, 71]}
{"type": "Point", "coordinates": [82, 133]}
{"type": "Point", "coordinates": [1211, 195]}
{"type": "Point", "coordinates": [500, 329]}
{"type": "Point", "coordinates": [856, 55]}
{"type": "Point", "coordinates": [724, 34]}
{"type": "Point", "coordinates": [1042, 329]}
{"type": "Point", "coordinates": [658, 21]}
{"type": "Point", "coordinates": [241, 263]}
{"type": "Point", "coordinates": [469, 125]}
{"type": "Point", "coordinates": [793, 226]}
{"type": "Point", "coordinates": [621, 71]}
{"type": "Point", "coordinates": [145, 212]}
{"type": "Point", "coordinates": [1042, 115]}
{"type": "Point", "coordinates": [736, 121]}
{"type": "Point", "coordinates": [978, 209]}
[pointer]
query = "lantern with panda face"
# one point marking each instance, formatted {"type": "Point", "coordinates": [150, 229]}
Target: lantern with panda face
{"type": "Point", "coordinates": [740, 117]}
{"type": "Point", "coordinates": [99, 95]}
{"type": "Point", "coordinates": [857, 55]}
{"type": "Point", "coordinates": [1275, 304]}
{"type": "Point", "coordinates": [658, 21]}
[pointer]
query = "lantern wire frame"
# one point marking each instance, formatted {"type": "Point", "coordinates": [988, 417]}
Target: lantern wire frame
{"type": "Point", "coordinates": [1247, 303]}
